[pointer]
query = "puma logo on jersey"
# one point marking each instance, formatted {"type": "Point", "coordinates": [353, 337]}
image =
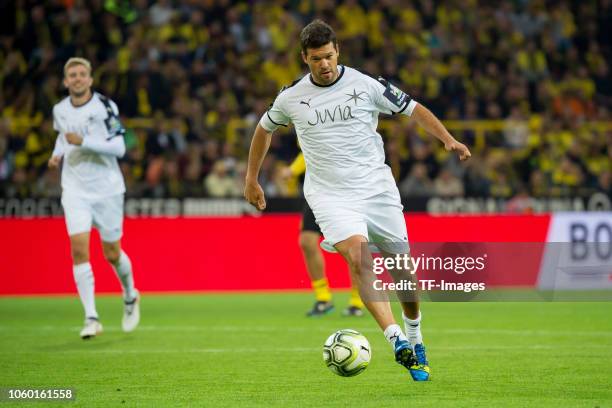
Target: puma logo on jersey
{"type": "Point", "coordinates": [307, 103]}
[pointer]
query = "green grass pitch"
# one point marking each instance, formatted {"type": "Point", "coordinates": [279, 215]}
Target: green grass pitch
{"type": "Point", "coordinates": [259, 350]}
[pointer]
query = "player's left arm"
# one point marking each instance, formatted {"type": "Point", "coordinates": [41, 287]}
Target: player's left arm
{"type": "Point", "coordinates": [433, 126]}
{"type": "Point", "coordinates": [112, 143]}
{"type": "Point", "coordinates": [112, 146]}
{"type": "Point", "coordinates": [390, 99]}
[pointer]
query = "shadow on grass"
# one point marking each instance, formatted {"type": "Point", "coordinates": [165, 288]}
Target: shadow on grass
{"type": "Point", "coordinates": [97, 343]}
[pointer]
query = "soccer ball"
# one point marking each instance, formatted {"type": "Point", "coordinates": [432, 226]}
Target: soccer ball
{"type": "Point", "coordinates": [347, 352]}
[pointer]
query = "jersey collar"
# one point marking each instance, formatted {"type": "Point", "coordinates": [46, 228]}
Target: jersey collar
{"type": "Point", "coordinates": [333, 83]}
{"type": "Point", "coordinates": [83, 104]}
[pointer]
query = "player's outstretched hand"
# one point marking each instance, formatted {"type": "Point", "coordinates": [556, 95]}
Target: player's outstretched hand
{"type": "Point", "coordinates": [74, 138]}
{"type": "Point", "coordinates": [254, 194]}
{"type": "Point", "coordinates": [460, 148]}
{"type": "Point", "coordinates": [54, 162]}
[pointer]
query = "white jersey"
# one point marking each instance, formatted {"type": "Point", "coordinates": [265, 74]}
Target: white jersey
{"type": "Point", "coordinates": [91, 170]}
{"type": "Point", "coordinates": [336, 127]}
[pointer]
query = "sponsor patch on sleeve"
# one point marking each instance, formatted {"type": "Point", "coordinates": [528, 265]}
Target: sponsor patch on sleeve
{"type": "Point", "coordinates": [395, 95]}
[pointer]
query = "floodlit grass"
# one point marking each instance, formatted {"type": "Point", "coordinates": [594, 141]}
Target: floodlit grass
{"type": "Point", "coordinates": [259, 350]}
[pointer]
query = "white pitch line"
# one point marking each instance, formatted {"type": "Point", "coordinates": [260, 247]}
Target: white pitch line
{"type": "Point", "coordinates": [263, 329]}
{"type": "Point", "coordinates": [292, 350]}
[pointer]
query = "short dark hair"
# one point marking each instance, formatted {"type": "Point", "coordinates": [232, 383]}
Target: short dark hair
{"type": "Point", "coordinates": [317, 34]}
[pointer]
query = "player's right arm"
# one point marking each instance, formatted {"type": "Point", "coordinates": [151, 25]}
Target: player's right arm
{"type": "Point", "coordinates": [259, 148]}
{"type": "Point", "coordinates": [60, 143]}
{"type": "Point", "coordinates": [58, 152]}
{"type": "Point", "coordinates": [270, 121]}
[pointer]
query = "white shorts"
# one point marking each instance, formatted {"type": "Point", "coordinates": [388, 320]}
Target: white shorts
{"type": "Point", "coordinates": [105, 214]}
{"type": "Point", "coordinates": [380, 219]}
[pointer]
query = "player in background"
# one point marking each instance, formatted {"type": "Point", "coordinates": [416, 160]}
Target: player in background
{"type": "Point", "coordinates": [349, 187]}
{"type": "Point", "coordinates": [89, 142]}
{"type": "Point", "coordinates": [310, 236]}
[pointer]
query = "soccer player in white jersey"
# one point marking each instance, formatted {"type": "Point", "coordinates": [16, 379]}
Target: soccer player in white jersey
{"type": "Point", "coordinates": [348, 185]}
{"type": "Point", "coordinates": [90, 140]}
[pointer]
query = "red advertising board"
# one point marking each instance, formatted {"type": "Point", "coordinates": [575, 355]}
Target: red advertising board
{"type": "Point", "coordinates": [219, 254]}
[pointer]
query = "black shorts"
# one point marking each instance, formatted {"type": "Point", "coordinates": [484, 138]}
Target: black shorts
{"type": "Point", "coordinates": [308, 220]}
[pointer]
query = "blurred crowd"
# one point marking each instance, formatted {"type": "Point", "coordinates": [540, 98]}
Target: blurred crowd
{"type": "Point", "coordinates": [193, 77]}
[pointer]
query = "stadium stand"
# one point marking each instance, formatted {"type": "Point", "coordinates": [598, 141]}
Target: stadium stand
{"type": "Point", "coordinates": [527, 84]}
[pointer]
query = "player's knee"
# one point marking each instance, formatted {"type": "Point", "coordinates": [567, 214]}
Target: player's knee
{"type": "Point", "coordinates": [80, 254]}
{"type": "Point", "coordinates": [354, 259]}
{"type": "Point", "coordinates": [359, 261]}
{"type": "Point", "coordinates": [111, 254]}
{"type": "Point", "coordinates": [308, 244]}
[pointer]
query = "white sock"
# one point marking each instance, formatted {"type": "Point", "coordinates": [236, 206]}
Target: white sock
{"type": "Point", "coordinates": [393, 333]}
{"type": "Point", "coordinates": [124, 273]}
{"type": "Point", "coordinates": [413, 329]}
{"type": "Point", "coordinates": [83, 276]}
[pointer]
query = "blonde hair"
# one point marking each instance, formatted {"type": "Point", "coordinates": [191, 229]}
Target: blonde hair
{"type": "Point", "coordinates": [77, 61]}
